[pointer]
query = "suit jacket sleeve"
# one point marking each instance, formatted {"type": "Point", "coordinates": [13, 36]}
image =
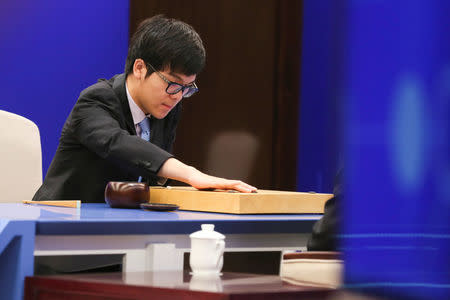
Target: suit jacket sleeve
{"type": "Point", "coordinates": [98, 126]}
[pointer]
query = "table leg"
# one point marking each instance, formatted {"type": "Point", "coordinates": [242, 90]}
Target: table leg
{"type": "Point", "coordinates": [16, 256]}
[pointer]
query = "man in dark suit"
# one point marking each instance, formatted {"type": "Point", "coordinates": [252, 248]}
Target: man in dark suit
{"type": "Point", "coordinates": [105, 136]}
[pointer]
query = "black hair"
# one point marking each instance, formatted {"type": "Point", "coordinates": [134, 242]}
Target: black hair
{"type": "Point", "coordinates": [166, 44]}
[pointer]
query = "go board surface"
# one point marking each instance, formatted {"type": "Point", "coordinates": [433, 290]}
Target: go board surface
{"type": "Point", "coordinates": [262, 202]}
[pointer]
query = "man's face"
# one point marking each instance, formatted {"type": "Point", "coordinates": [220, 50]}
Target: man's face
{"type": "Point", "coordinates": [152, 96]}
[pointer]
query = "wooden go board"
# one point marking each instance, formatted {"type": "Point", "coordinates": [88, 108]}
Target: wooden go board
{"type": "Point", "coordinates": [262, 202]}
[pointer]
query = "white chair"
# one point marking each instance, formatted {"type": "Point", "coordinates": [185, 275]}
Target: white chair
{"type": "Point", "coordinates": [20, 158]}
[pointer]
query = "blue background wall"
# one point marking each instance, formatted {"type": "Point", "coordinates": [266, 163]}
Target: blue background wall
{"type": "Point", "coordinates": [50, 50]}
{"type": "Point", "coordinates": [318, 157]}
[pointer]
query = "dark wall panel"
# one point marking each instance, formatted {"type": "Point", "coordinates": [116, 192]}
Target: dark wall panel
{"type": "Point", "coordinates": [229, 128]}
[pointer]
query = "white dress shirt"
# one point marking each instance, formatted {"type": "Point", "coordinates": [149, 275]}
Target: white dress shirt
{"type": "Point", "coordinates": [138, 115]}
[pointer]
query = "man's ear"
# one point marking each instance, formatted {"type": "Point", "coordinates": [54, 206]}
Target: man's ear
{"type": "Point", "coordinates": [139, 69]}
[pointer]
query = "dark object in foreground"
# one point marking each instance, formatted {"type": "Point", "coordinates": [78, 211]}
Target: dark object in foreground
{"type": "Point", "coordinates": [159, 206]}
{"type": "Point", "coordinates": [126, 194]}
{"type": "Point", "coordinates": [323, 237]}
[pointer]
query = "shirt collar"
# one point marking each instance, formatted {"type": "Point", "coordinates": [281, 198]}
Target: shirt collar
{"type": "Point", "coordinates": [136, 112]}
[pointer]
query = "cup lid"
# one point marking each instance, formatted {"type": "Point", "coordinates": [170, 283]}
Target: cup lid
{"type": "Point", "coordinates": [207, 232]}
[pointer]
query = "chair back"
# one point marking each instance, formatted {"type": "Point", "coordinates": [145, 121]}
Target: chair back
{"type": "Point", "coordinates": [20, 158]}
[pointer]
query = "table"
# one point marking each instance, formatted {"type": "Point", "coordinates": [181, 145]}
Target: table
{"type": "Point", "coordinates": [178, 285]}
{"type": "Point", "coordinates": [167, 285]}
{"type": "Point", "coordinates": [148, 240]}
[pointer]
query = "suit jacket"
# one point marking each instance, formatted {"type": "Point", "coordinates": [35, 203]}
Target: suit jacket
{"type": "Point", "coordinates": [99, 144]}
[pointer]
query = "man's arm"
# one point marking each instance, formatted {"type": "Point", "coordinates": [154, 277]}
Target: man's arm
{"type": "Point", "coordinates": [175, 169]}
{"type": "Point", "coordinates": [96, 129]}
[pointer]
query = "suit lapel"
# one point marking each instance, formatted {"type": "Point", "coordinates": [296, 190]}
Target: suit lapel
{"type": "Point", "coordinates": [119, 89]}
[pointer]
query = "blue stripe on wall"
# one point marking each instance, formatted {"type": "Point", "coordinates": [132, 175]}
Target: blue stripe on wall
{"type": "Point", "coordinates": [51, 50]}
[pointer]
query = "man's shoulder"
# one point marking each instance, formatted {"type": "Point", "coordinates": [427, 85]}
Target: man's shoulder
{"type": "Point", "coordinates": [104, 88]}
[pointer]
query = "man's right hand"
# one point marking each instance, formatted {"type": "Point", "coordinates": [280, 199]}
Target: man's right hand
{"type": "Point", "coordinates": [175, 169]}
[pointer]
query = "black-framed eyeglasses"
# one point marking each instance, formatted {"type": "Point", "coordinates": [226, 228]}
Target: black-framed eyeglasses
{"type": "Point", "coordinates": [174, 88]}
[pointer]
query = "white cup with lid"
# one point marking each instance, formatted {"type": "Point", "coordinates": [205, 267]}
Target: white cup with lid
{"type": "Point", "coordinates": [207, 247]}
